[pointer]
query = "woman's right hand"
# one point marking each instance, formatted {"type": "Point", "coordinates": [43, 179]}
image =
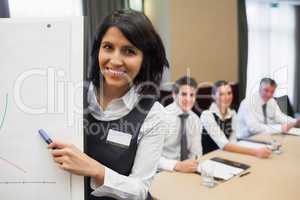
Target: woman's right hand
{"type": "Point", "coordinates": [187, 166]}
{"type": "Point", "coordinates": [263, 152]}
{"type": "Point", "coordinates": [71, 159]}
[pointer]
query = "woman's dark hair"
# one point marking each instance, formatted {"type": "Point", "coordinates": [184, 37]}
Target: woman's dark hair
{"type": "Point", "coordinates": [185, 80]}
{"type": "Point", "coordinates": [138, 29]}
{"type": "Point", "coordinates": [218, 84]}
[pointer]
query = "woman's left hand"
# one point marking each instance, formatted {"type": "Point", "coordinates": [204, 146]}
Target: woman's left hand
{"type": "Point", "coordinates": [71, 159]}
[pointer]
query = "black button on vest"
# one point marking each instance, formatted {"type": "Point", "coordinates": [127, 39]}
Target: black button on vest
{"type": "Point", "coordinates": [209, 144]}
{"type": "Point", "coordinates": [116, 157]}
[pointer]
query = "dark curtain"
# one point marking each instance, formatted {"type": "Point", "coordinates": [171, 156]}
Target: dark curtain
{"type": "Point", "coordinates": [4, 9]}
{"type": "Point", "coordinates": [297, 70]}
{"type": "Point", "coordinates": [242, 48]}
{"type": "Point", "coordinates": [94, 11]}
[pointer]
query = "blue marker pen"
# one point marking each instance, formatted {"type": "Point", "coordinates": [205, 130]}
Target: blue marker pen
{"type": "Point", "coordinates": [45, 136]}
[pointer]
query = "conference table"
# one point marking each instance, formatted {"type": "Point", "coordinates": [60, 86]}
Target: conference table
{"type": "Point", "coordinates": [276, 178]}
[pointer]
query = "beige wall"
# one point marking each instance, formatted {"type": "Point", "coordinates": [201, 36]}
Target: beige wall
{"type": "Point", "coordinates": [203, 38]}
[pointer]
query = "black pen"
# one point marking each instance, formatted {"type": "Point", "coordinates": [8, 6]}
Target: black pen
{"type": "Point", "coordinates": [244, 174]}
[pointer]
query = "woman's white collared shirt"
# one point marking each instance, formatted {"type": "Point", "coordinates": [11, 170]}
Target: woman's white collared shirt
{"type": "Point", "coordinates": [212, 127]}
{"type": "Point", "coordinates": [150, 143]}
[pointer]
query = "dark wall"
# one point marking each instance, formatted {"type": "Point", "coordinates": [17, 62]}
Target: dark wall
{"type": "Point", "coordinates": [297, 70]}
{"type": "Point", "coordinates": [4, 9]}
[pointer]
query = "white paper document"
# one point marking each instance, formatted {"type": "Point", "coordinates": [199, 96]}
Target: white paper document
{"type": "Point", "coordinates": [220, 170]}
{"type": "Point", "coordinates": [253, 145]}
{"type": "Point", "coordinates": [294, 131]}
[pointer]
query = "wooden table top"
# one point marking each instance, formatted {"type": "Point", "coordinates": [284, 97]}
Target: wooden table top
{"type": "Point", "coordinates": [276, 178]}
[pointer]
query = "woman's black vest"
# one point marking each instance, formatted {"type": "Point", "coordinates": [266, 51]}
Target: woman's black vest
{"type": "Point", "coordinates": [208, 144]}
{"type": "Point", "coordinates": [116, 157]}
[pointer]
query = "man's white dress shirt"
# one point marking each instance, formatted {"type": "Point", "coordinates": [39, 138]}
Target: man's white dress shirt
{"type": "Point", "coordinates": [251, 117]}
{"type": "Point", "coordinates": [171, 149]}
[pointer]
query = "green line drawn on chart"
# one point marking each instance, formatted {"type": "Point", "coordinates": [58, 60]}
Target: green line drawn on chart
{"type": "Point", "coordinates": [5, 110]}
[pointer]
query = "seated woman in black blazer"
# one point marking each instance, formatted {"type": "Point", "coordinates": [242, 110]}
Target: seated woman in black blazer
{"type": "Point", "coordinates": [219, 124]}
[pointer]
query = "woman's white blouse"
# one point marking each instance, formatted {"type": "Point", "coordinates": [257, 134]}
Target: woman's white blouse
{"type": "Point", "coordinates": [213, 129]}
{"type": "Point", "coordinates": [150, 144]}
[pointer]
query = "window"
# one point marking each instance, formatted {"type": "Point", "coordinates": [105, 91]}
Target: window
{"type": "Point", "coordinates": [136, 5]}
{"type": "Point", "coordinates": [271, 45]}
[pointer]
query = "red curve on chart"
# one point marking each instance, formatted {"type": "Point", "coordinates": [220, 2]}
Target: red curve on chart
{"type": "Point", "coordinates": [12, 164]}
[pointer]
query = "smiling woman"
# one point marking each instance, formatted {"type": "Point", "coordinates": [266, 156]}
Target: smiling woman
{"type": "Point", "coordinates": [122, 127]}
{"type": "Point", "coordinates": [220, 124]}
{"type": "Point", "coordinates": [138, 37]}
{"type": "Point", "coordinates": [119, 60]}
